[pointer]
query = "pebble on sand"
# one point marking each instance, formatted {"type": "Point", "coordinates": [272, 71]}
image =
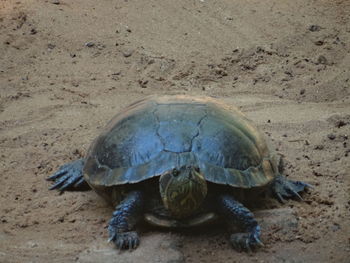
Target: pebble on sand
{"type": "Point", "coordinates": [331, 136]}
{"type": "Point", "coordinates": [314, 28]}
{"type": "Point", "coordinates": [127, 53]}
{"type": "Point", "coordinates": [89, 44]}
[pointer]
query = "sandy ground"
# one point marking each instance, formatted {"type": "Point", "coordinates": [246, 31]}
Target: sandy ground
{"type": "Point", "coordinates": [67, 67]}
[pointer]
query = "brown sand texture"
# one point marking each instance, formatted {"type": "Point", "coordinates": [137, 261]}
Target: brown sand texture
{"type": "Point", "coordinates": [67, 67]}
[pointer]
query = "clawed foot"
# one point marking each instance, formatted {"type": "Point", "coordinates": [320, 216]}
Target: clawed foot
{"type": "Point", "coordinates": [124, 240]}
{"type": "Point", "coordinates": [69, 177]}
{"type": "Point", "coordinates": [247, 241]}
{"type": "Point", "coordinates": [284, 188]}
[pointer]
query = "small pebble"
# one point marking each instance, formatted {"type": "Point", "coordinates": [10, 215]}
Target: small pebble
{"type": "Point", "coordinates": [347, 153]}
{"type": "Point", "coordinates": [344, 137]}
{"type": "Point", "coordinates": [322, 60]}
{"type": "Point", "coordinates": [317, 173]}
{"type": "Point", "coordinates": [302, 91]}
{"type": "Point", "coordinates": [127, 53]}
{"type": "Point", "coordinates": [335, 227]}
{"type": "Point", "coordinates": [89, 44]}
{"type": "Point", "coordinates": [319, 147]}
{"type": "Point", "coordinates": [100, 46]}
{"type": "Point", "coordinates": [51, 46]}
{"type": "Point", "coordinates": [143, 83]}
{"type": "Point", "coordinates": [314, 28]}
{"type": "Point", "coordinates": [331, 136]}
{"type": "Point", "coordinates": [32, 245]}
{"type": "Point", "coordinates": [55, 2]}
{"type": "Point", "coordinates": [340, 123]}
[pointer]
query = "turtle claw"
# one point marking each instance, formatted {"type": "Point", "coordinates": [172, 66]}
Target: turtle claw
{"type": "Point", "coordinates": [247, 241]}
{"type": "Point", "coordinates": [284, 188]}
{"type": "Point", "coordinates": [243, 242]}
{"type": "Point", "coordinates": [258, 242]}
{"type": "Point", "coordinates": [79, 183]}
{"type": "Point", "coordinates": [110, 239]}
{"type": "Point", "coordinates": [295, 194]}
{"type": "Point", "coordinates": [303, 184]}
{"type": "Point", "coordinates": [125, 240]}
{"type": "Point", "coordinates": [119, 244]}
{"type": "Point", "coordinates": [68, 177]}
{"type": "Point", "coordinates": [280, 198]}
{"type": "Point", "coordinates": [59, 182]}
{"type": "Point", "coordinates": [58, 174]}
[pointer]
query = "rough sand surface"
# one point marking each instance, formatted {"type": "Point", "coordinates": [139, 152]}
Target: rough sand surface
{"type": "Point", "coordinates": [67, 67]}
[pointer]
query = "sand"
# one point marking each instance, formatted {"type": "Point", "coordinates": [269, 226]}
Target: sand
{"type": "Point", "coordinates": [67, 67]}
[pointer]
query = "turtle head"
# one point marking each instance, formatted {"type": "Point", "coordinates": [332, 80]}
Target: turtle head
{"type": "Point", "coordinates": [182, 190]}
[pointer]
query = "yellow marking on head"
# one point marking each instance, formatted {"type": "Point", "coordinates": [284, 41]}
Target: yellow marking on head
{"type": "Point", "coordinates": [183, 191]}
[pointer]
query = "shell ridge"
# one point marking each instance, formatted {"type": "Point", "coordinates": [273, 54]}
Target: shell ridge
{"type": "Point", "coordinates": [198, 128]}
{"type": "Point", "coordinates": [158, 125]}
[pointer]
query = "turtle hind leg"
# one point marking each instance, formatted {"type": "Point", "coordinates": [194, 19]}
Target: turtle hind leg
{"type": "Point", "coordinates": [237, 215]}
{"type": "Point", "coordinates": [124, 219]}
{"type": "Point", "coordinates": [69, 177]}
{"type": "Point", "coordinates": [283, 188]}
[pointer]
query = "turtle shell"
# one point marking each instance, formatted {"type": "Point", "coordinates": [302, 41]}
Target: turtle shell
{"type": "Point", "coordinates": [157, 134]}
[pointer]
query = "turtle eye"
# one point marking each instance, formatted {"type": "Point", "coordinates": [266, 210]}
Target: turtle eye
{"type": "Point", "coordinates": [175, 172]}
{"type": "Point", "coordinates": [196, 169]}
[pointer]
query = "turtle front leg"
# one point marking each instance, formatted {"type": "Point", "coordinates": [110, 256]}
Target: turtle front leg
{"type": "Point", "coordinates": [69, 177]}
{"type": "Point", "coordinates": [283, 188]}
{"type": "Point", "coordinates": [238, 215]}
{"type": "Point", "coordinates": [124, 219]}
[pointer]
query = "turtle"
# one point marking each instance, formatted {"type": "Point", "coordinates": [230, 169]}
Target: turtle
{"type": "Point", "coordinates": [180, 161]}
